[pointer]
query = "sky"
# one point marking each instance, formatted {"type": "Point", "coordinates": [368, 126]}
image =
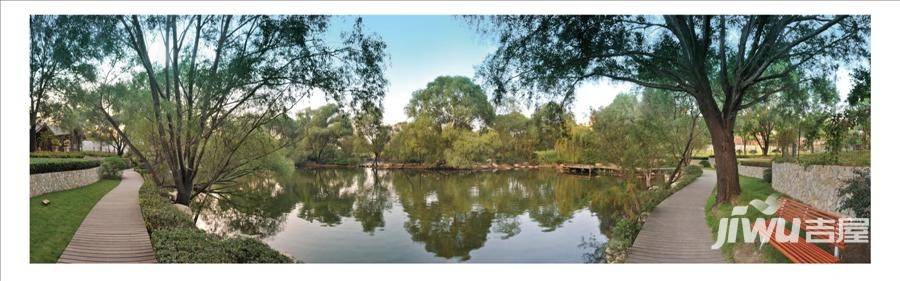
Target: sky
{"type": "Point", "coordinates": [421, 48]}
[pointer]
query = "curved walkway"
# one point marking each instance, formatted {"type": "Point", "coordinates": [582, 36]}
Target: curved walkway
{"type": "Point", "coordinates": [114, 230]}
{"type": "Point", "coordinates": [676, 231]}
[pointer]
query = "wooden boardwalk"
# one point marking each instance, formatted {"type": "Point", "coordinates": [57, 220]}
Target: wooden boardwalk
{"type": "Point", "coordinates": [676, 231]}
{"type": "Point", "coordinates": [114, 231]}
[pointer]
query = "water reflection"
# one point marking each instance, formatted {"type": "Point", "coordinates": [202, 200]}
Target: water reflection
{"type": "Point", "coordinates": [325, 215]}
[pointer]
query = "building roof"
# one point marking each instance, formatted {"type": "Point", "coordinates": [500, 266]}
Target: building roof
{"type": "Point", "coordinates": [56, 130]}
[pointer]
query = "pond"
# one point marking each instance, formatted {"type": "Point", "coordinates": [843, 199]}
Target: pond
{"type": "Point", "coordinates": [361, 215]}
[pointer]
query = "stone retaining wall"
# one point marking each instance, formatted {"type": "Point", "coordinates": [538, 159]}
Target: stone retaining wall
{"type": "Point", "coordinates": [752, 171]}
{"type": "Point", "coordinates": [58, 181]}
{"type": "Point", "coordinates": [816, 185]}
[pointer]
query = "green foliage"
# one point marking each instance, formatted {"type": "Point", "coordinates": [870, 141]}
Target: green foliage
{"type": "Point", "coordinates": [51, 227]}
{"type": "Point", "coordinates": [856, 194]}
{"type": "Point", "coordinates": [188, 245]}
{"type": "Point", "coordinates": [517, 137]}
{"type": "Point", "coordinates": [767, 175]}
{"type": "Point", "coordinates": [549, 124]}
{"type": "Point", "coordinates": [49, 165]}
{"type": "Point", "coordinates": [548, 157]}
{"type": "Point", "coordinates": [860, 158]}
{"type": "Point", "coordinates": [757, 162]}
{"type": "Point", "coordinates": [468, 148]}
{"type": "Point", "coordinates": [157, 211]}
{"type": "Point", "coordinates": [325, 136]}
{"type": "Point", "coordinates": [175, 239]}
{"type": "Point", "coordinates": [453, 101]}
{"type": "Point", "coordinates": [626, 230]}
{"type": "Point", "coordinates": [705, 163]}
{"type": "Point", "coordinates": [57, 154]}
{"type": "Point", "coordinates": [111, 167]}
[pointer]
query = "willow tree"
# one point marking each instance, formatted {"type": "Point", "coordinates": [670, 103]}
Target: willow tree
{"type": "Point", "coordinates": [64, 53]}
{"type": "Point", "coordinates": [726, 63]}
{"type": "Point", "coordinates": [217, 83]}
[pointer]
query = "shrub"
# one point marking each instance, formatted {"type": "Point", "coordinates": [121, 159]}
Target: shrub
{"type": "Point", "coordinates": [705, 163]}
{"type": "Point", "coordinates": [175, 239]}
{"type": "Point", "coordinates": [859, 158]}
{"type": "Point", "coordinates": [100, 154]}
{"type": "Point", "coordinates": [767, 175]}
{"type": "Point", "coordinates": [626, 230]}
{"type": "Point", "coordinates": [111, 167]}
{"type": "Point", "coordinates": [57, 154]}
{"type": "Point", "coordinates": [766, 163]}
{"type": "Point", "coordinates": [693, 170]}
{"type": "Point", "coordinates": [548, 157]}
{"type": "Point", "coordinates": [49, 165]}
{"type": "Point", "coordinates": [753, 151]}
{"type": "Point", "coordinates": [856, 195]}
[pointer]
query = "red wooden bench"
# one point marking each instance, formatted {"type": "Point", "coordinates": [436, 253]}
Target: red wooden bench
{"type": "Point", "coordinates": [803, 251]}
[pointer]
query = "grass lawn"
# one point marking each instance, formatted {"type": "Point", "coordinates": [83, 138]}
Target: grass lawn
{"type": "Point", "coordinates": [52, 226]}
{"type": "Point", "coordinates": [751, 188]}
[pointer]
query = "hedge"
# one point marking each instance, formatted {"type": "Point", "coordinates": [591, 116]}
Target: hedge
{"type": "Point", "coordinates": [766, 163]}
{"type": "Point", "coordinates": [57, 154]}
{"type": "Point", "coordinates": [175, 239]}
{"type": "Point", "coordinates": [861, 158]}
{"type": "Point", "coordinates": [111, 167]}
{"type": "Point", "coordinates": [49, 165]}
{"type": "Point", "coordinates": [71, 154]}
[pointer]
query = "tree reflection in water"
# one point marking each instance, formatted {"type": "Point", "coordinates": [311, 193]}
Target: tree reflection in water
{"type": "Point", "coordinates": [450, 213]}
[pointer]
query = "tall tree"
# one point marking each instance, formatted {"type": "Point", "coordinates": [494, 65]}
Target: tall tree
{"type": "Point", "coordinates": [550, 123]}
{"type": "Point", "coordinates": [374, 134]}
{"type": "Point", "coordinates": [760, 123]}
{"type": "Point", "coordinates": [321, 130]}
{"type": "Point", "coordinates": [452, 101]}
{"type": "Point", "coordinates": [222, 80]}
{"type": "Point", "coordinates": [65, 51]}
{"type": "Point", "coordinates": [726, 63]}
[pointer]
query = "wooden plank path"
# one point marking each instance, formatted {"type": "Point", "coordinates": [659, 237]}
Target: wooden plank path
{"type": "Point", "coordinates": [676, 231]}
{"type": "Point", "coordinates": [114, 231]}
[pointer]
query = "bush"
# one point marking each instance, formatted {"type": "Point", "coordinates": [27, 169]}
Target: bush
{"type": "Point", "coordinates": [859, 158]}
{"type": "Point", "coordinates": [767, 175]}
{"type": "Point", "coordinates": [626, 230]}
{"type": "Point", "coordinates": [766, 163]}
{"type": "Point", "coordinates": [693, 170]}
{"type": "Point", "coordinates": [705, 163]}
{"type": "Point", "coordinates": [49, 165]}
{"type": "Point", "coordinates": [856, 195]}
{"type": "Point", "coordinates": [175, 239]}
{"type": "Point", "coordinates": [548, 157]}
{"type": "Point", "coordinates": [111, 167]}
{"type": "Point", "coordinates": [57, 154]}
{"type": "Point", "coordinates": [99, 154]}
{"type": "Point", "coordinates": [753, 151]}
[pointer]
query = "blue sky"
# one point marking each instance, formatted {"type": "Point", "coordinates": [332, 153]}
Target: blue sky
{"type": "Point", "coordinates": [421, 48]}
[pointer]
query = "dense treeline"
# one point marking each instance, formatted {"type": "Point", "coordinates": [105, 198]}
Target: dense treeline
{"type": "Point", "coordinates": [452, 124]}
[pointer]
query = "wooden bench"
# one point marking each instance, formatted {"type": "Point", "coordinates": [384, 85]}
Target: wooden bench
{"type": "Point", "coordinates": [803, 251]}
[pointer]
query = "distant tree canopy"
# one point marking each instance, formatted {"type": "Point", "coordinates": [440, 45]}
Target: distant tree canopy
{"type": "Point", "coordinates": [452, 101]}
{"type": "Point", "coordinates": [726, 63]}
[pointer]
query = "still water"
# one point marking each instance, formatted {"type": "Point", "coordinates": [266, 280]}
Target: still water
{"type": "Point", "coordinates": [359, 215]}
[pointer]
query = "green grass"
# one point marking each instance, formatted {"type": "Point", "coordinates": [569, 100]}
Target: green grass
{"type": "Point", "coordinates": [52, 226]}
{"type": "Point", "coordinates": [751, 188]}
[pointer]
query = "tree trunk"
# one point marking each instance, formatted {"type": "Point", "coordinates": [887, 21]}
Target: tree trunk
{"type": "Point", "coordinates": [185, 187]}
{"type": "Point", "coordinates": [722, 135]}
{"type": "Point", "coordinates": [33, 139]}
